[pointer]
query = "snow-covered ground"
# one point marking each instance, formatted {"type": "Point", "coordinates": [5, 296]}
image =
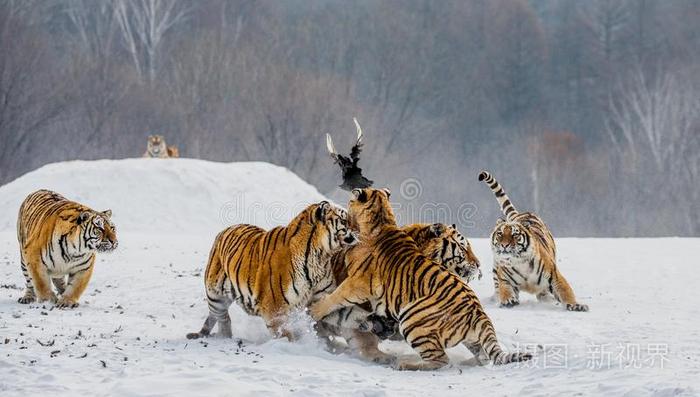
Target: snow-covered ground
{"type": "Point", "coordinates": [127, 337]}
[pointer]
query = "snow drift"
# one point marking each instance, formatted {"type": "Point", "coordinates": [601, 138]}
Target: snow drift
{"type": "Point", "coordinates": [178, 195]}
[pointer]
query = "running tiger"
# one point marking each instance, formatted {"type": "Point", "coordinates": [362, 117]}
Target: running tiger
{"type": "Point", "coordinates": [435, 308]}
{"type": "Point", "coordinates": [525, 256]}
{"type": "Point", "coordinates": [271, 273]}
{"type": "Point", "coordinates": [58, 238]}
{"type": "Point", "coordinates": [157, 148]}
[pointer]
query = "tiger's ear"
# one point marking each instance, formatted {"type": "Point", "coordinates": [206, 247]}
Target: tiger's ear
{"type": "Point", "coordinates": [387, 191]}
{"type": "Point", "coordinates": [321, 210]}
{"type": "Point", "coordinates": [359, 195]}
{"type": "Point", "coordinates": [436, 229]}
{"type": "Point", "coordinates": [107, 214]}
{"type": "Point", "coordinates": [84, 216]}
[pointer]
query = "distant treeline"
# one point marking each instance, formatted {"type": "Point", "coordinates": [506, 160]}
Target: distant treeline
{"type": "Point", "coordinates": [588, 112]}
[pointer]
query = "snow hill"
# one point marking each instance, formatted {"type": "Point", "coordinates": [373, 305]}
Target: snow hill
{"type": "Point", "coordinates": [179, 195]}
{"type": "Point", "coordinates": [127, 338]}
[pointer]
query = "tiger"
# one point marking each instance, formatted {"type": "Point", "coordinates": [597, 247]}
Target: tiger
{"type": "Point", "coordinates": [58, 239]}
{"type": "Point", "coordinates": [440, 242]}
{"type": "Point", "coordinates": [273, 273]}
{"type": "Point", "coordinates": [445, 245]}
{"type": "Point", "coordinates": [524, 256]}
{"type": "Point", "coordinates": [435, 309]}
{"type": "Point", "coordinates": [157, 148]}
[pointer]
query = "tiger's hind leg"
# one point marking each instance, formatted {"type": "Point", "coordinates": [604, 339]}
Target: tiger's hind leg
{"type": "Point", "coordinates": [481, 339]}
{"type": "Point", "coordinates": [218, 313]}
{"type": "Point", "coordinates": [209, 324]}
{"type": "Point", "coordinates": [562, 291]}
{"type": "Point", "coordinates": [479, 355]}
{"type": "Point", "coordinates": [431, 351]}
{"type": "Point", "coordinates": [39, 277]}
{"type": "Point", "coordinates": [29, 295]}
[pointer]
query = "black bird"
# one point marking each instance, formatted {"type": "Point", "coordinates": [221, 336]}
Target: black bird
{"type": "Point", "coordinates": [352, 174]}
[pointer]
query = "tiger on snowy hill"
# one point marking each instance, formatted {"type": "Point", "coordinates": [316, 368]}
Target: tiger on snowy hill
{"type": "Point", "coordinates": [157, 148]}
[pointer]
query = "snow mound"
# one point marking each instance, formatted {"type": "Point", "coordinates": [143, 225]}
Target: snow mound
{"type": "Point", "coordinates": [172, 196]}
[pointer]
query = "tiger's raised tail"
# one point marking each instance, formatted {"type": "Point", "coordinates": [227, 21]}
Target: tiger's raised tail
{"type": "Point", "coordinates": [503, 200]}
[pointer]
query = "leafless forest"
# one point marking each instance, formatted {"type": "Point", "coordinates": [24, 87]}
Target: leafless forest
{"type": "Point", "coordinates": [587, 111]}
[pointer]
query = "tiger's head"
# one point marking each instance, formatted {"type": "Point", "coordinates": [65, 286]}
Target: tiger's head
{"type": "Point", "coordinates": [444, 244]}
{"type": "Point", "coordinates": [156, 145]}
{"type": "Point", "coordinates": [510, 238]}
{"type": "Point", "coordinates": [369, 210]}
{"type": "Point", "coordinates": [97, 230]}
{"type": "Point", "coordinates": [332, 222]}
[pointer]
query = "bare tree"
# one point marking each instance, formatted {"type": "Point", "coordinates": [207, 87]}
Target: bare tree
{"type": "Point", "coordinates": [144, 25]}
{"type": "Point", "coordinates": [97, 76]}
{"type": "Point", "coordinates": [653, 126]}
{"type": "Point", "coordinates": [608, 22]}
{"type": "Point", "coordinates": [28, 101]}
{"type": "Point", "coordinates": [656, 118]}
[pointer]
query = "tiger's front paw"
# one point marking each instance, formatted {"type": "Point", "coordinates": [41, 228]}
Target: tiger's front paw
{"type": "Point", "coordinates": [510, 303]}
{"type": "Point", "coordinates": [66, 304]}
{"type": "Point", "coordinates": [577, 307]}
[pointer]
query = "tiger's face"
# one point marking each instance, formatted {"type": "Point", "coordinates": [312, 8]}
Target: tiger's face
{"type": "Point", "coordinates": [334, 221]}
{"type": "Point", "coordinates": [446, 245]}
{"type": "Point", "coordinates": [156, 145]}
{"type": "Point", "coordinates": [510, 238]}
{"type": "Point", "coordinates": [369, 209]}
{"type": "Point", "coordinates": [98, 231]}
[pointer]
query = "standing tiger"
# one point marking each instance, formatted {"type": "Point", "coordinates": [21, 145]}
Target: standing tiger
{"type": "Point", "coordinates": [524, 256]}
{"type": "Point", "coordinates": [58, 238]}
{"type": "Point", "coordinates": [157, 148]}
{"type": "Point", "coordinates": [271, 273]}
{"type": "Point", "coordinates": [435, 308]}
